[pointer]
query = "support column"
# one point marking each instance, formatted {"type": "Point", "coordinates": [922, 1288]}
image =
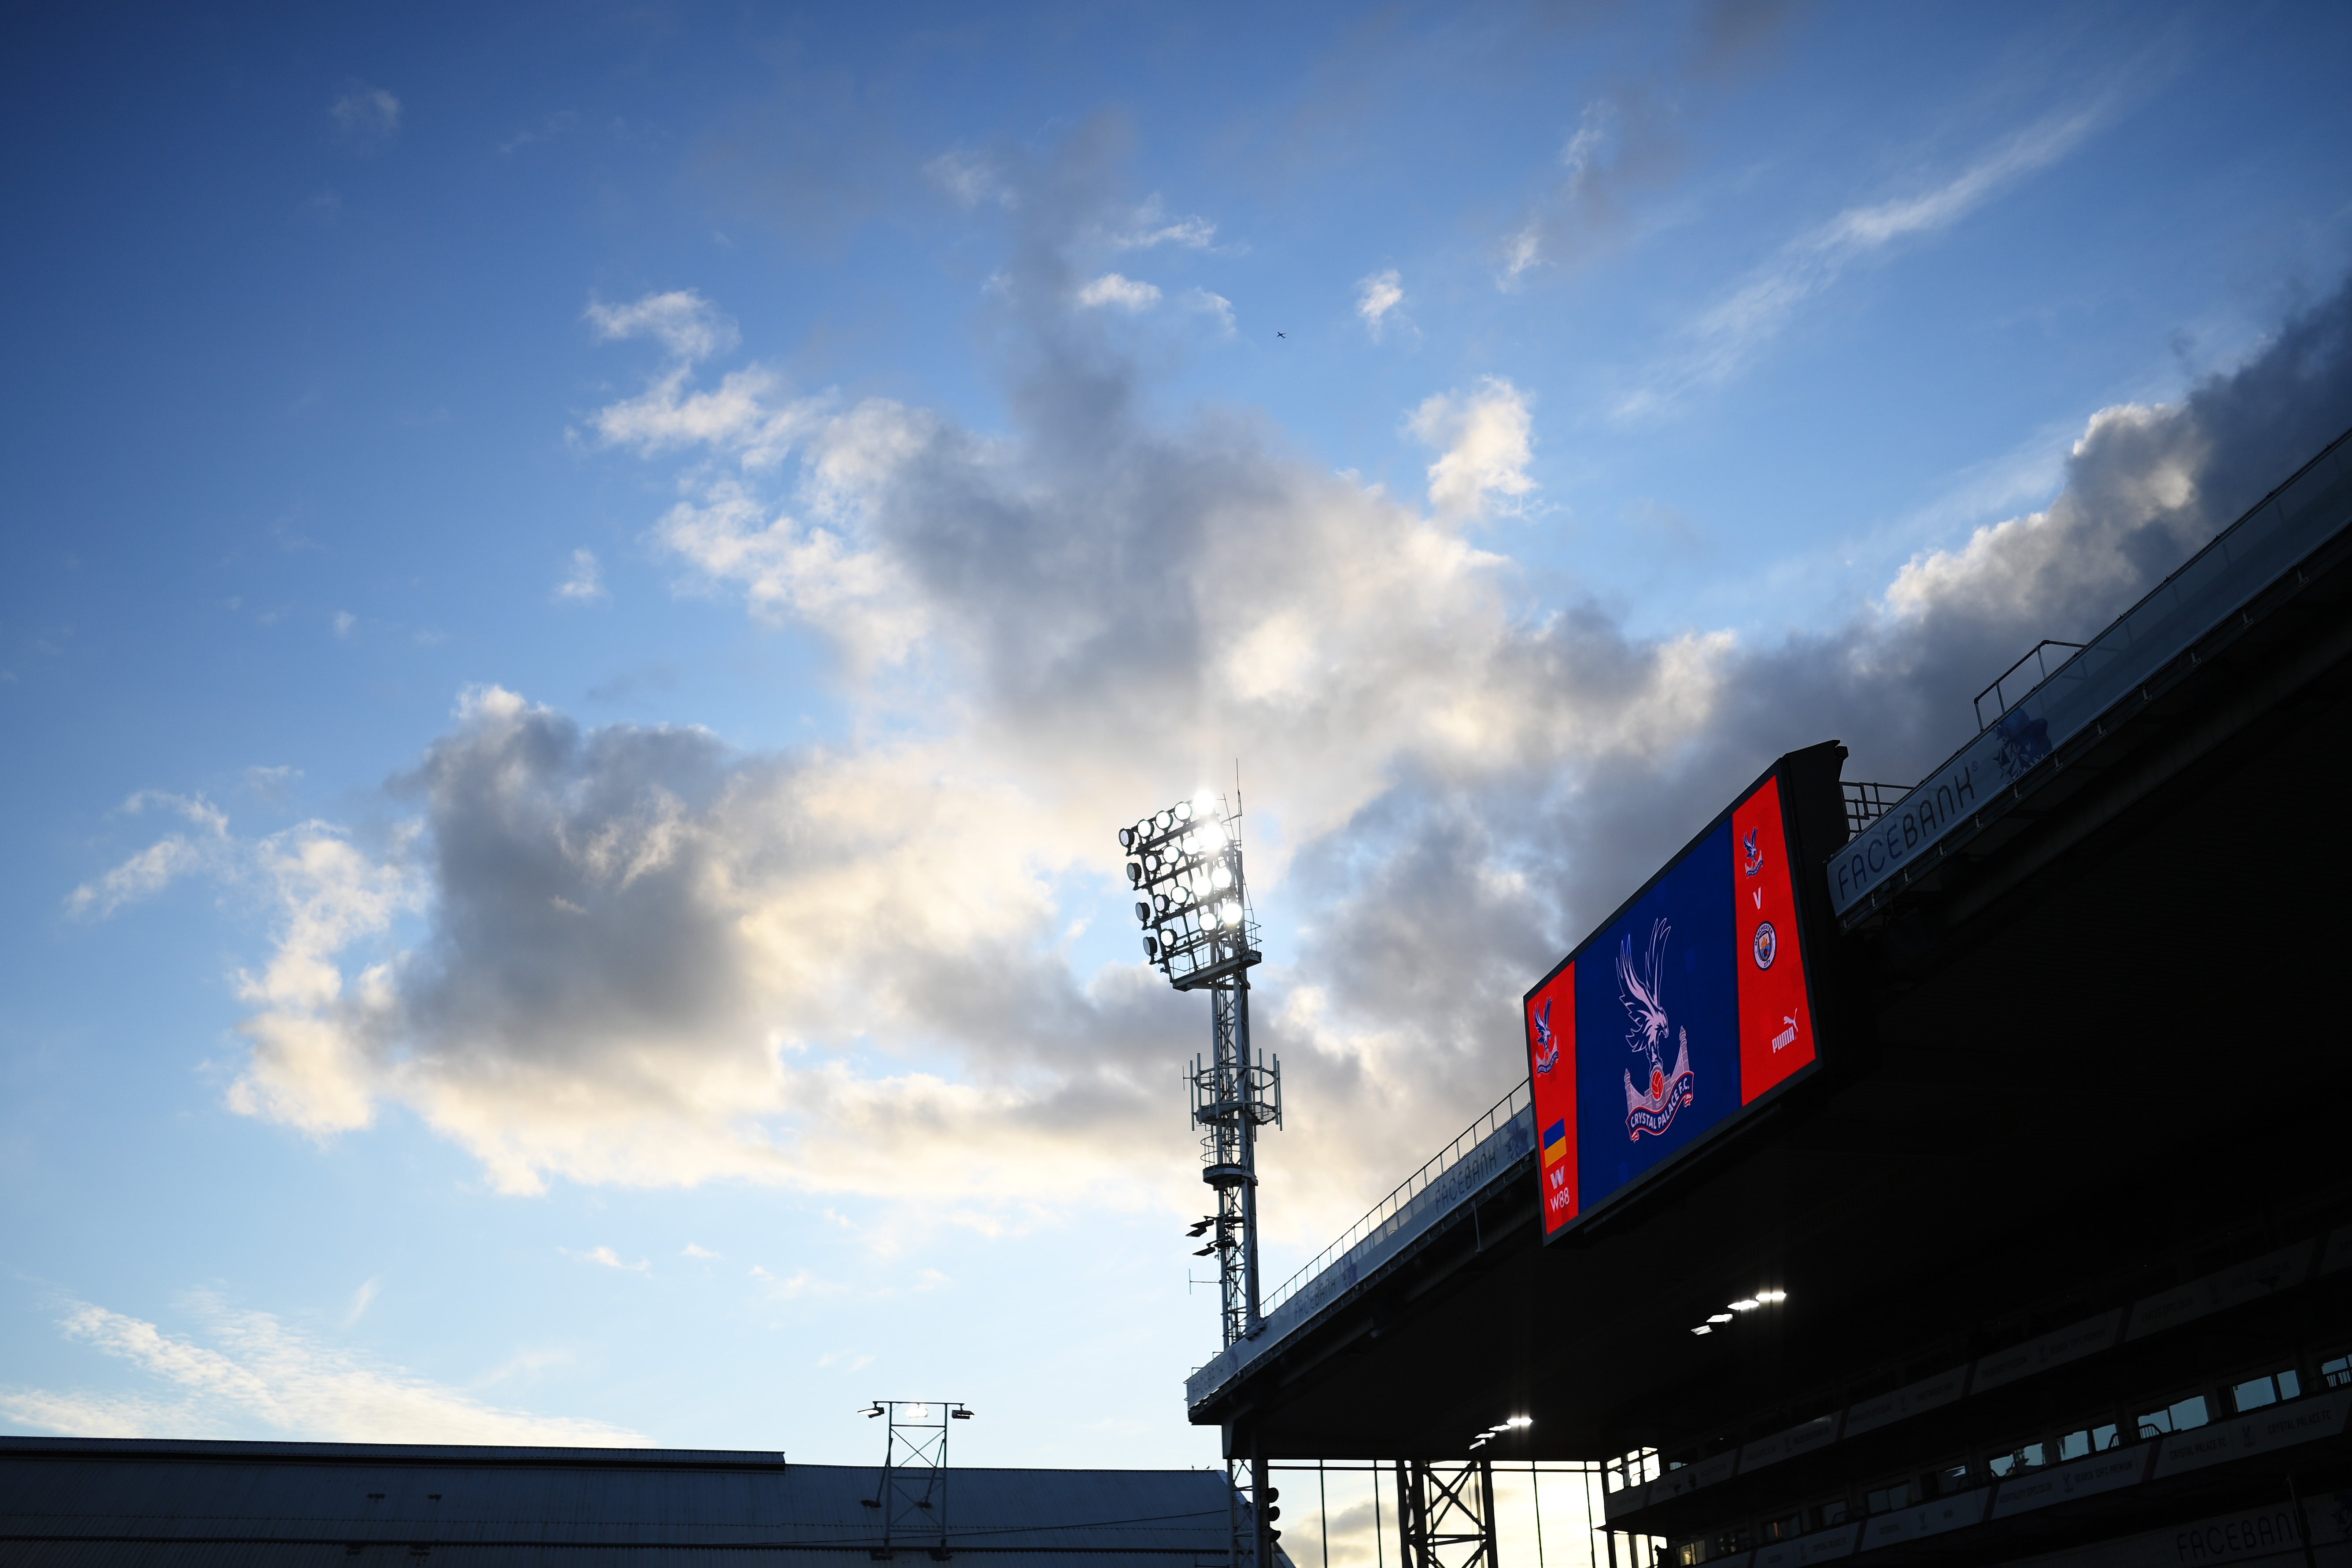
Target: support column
{"type": "Point", "coordinates": [1445, 1514]}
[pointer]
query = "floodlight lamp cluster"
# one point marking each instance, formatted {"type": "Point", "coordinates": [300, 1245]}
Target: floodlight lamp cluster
{"type": "Point", "coordinates": [1186, 863]}
{"type": "Point", "coordinates": [1507, 1425]}
{"type": "Point", "coordinates": [1745, 1304]}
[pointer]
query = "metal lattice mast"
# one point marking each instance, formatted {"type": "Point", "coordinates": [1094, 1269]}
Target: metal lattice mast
{"type": "Point", "coordinates": [1185, 863]}
{"type": "Point", "coordinates": [1225, 1101]}
{"type": "Point", "coordinates": [912, 1494]}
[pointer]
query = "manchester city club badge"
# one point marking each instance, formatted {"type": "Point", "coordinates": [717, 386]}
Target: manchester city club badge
{"type": "Point", "coordinates": [1768, 945]}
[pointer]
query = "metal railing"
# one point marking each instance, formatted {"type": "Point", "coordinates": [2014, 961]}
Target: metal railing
{"type": "Point", "coordinates": [1866, 803]}
{"type": "Point", "coordinates": [2039, 656]}
{"type": "Point", "coordinates": [1445, 1159]}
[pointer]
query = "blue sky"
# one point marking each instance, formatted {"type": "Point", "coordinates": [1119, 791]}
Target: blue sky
{"type": "Point", "coordinates": [584, 589]}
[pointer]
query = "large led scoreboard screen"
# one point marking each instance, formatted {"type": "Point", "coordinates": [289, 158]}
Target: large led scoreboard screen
{"type": "Point", "coordinates": [1689, 1006]}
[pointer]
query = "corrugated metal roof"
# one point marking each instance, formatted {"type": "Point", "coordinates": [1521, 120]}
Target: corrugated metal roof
{"type": "Point", "coordinates": [76, 1501]}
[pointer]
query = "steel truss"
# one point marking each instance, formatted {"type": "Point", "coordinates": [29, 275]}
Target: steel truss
{"type": "Point", "coordinates": [913, 1492]}
{"type": "Point", "coordinates": [1232, 1096]}
{"type": "Point", "coordinates": [1445, 1514]}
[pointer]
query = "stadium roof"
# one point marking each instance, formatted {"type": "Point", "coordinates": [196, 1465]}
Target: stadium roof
{"type": "Point", "coordinates": [69, 1501]}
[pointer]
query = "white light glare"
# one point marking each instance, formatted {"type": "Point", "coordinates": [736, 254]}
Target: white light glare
{"type": "Point", "coordinates": [1521, 1421]}
{"type": "Point", "coordinates": [1205, 804]}
{"type": "Point", "coordinates": [1771, 1295]}
{"type": "Point", "coordinates": [1749, 1305]}
{"type": "Point", "coordinates": [1702, 1328]}
{"type": "Point", "coordinates": [1720, 1318]}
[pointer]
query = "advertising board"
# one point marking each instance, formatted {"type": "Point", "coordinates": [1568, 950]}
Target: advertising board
{"type": "Point", "coordinates": [1688, 1008]}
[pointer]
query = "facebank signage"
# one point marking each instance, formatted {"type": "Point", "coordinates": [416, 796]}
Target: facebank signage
{"type": "Point", "coordinates": [1912, 827]}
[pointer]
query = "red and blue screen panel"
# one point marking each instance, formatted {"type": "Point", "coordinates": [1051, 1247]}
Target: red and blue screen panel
{"type": "Point", "coordinates": [1688, 1006]}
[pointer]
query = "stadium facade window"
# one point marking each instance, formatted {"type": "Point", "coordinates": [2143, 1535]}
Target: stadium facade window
{"type": "Point", "coordinates": [2085, 1440]}
{"type": "Point", "coordinates": [2267, 1389]}
{"type": "Point", "coordinates": [1950, 1479]}
{"type": "Point", "coordinates": [2024, 1457]}
{"type": "Point", "coordinates": [2179, 1417]}
{"type": "Point", "coordinates": [2335, 1374]}
{"type": "Point", "coordinates": [1787, 1529]}
{"type": "Point", "coordinates": [1888, 1498]}
{"type": "Point", "coordinates": [1834, 1512]}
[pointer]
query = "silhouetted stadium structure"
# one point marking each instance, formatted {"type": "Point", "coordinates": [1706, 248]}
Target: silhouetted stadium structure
{"type": "Point", "coordinates": [2051, 1261]}
{"type": "Point", "coordinates": [2046, 1259]}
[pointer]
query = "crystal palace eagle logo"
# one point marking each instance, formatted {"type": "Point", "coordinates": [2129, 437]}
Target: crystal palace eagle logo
{"type": "Point", "coordinates": [1547, 1049]}
{"type": "Point", "coordinates": [1642, 992]}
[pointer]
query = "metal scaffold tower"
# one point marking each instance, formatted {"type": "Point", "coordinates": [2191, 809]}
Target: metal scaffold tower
{"type": "Point", "coordinates": [1185, 866]}
{"type": "Point", "coordinates": [913, 1495]}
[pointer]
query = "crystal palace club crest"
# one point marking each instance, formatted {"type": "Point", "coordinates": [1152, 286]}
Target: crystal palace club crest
{"type": "Point", "coordinates": [1651, 1109]}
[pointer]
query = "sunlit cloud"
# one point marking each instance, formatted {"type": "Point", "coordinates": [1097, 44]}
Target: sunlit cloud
{"type": "Point", "coordinates": [1127, 293]}
{"type": "Point", "coordinates": [1376, 297]}
{"type": "Point", "coordinates": [584, 582]}
{"type": "Point", "coordinates": [638, 955]}
{"type": "Point", "coordinates": [250, 1373]}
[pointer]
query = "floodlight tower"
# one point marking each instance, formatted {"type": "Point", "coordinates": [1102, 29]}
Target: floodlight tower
{"type": "Point", "coordinates": [1185, 865]}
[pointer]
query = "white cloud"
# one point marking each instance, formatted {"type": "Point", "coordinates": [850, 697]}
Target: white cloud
{"type": "Point", "coordinates": [361, 1300]}
{"type": "Point", "coordinates": [259, 1375]}
{"type": "Point", "coordinates": [609, 1259]}
{"type": "Point", "coordinates": [1376, 295]}
{"type": "Point", "coordinates": [1617, 152]}
{"type": "Point", "coordinates": [155, 868]}
{"type": "Point", "coordinates": [1722, 340]}
{"type": "Point", "coordinates": [1484, 441]}
{"type": "Point", "coordinates": [691, 1250]}
{"type": "Point", "coordinates": [1148, 226]}
{"type": "Point", "coordinates": [345, 622]}
{"type": "Point", "coordinates": [309, 1039]}
{"type": "Point", "coordinates": [270, 784]}
{"type": "Point", "coordinates": [1215, 306]}
{"type": "Point", "coordinates": [665, 415]}
{"type": "Point", "coordinates": [648, 958]}
{"type": "Point", "coordinates": [969, 177]}
{"type": "Point", "coordinates": [366, 114]}
{"type": "Point", "coordinates": [584, 584]}
{"type": "Point", "coordinates": [791, 1288]}
{"type": "Point", "coordinates": [681, 321]}
{"type": "Point", "coordinates": [1127, 293]}
{"type": "Point", "coordinates": [143, 875]}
